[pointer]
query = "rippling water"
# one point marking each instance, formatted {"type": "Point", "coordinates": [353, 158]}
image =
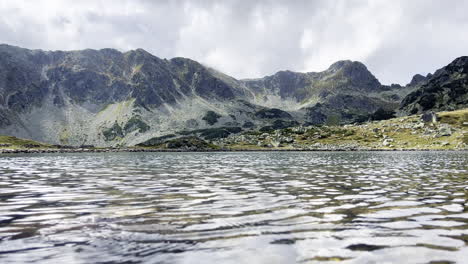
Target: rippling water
{"type": "Point", "coordinates": [269, 207]}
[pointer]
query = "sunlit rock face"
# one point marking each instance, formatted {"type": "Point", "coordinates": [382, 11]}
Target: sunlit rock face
{"type": "Point", "coordinates": [105, 97]}
{"type": "Point", "coordinates": [109, 98]}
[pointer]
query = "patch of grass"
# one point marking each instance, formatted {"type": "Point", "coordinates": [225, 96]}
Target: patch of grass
{"type": "Point", "coordinates": [454, 118]}
{"type": "Point", "coordinates": [213, 133]}
{"type": "Point", "coordinates": [187, 143]}
{"type": "Point", "coordinates": [156, 141]}
{"type": "Point", "coordinates": [253, 133]}
{"type": "Point", "coordinates": [64, 136]}
{"type": "Point", "coordinates": [113, 132]}
{"type": "Point", "coordinates": [400, 132]}
{"type": "Point", "coordinates": [135, 123]}
{"type": "Point", "coordinates": [14, 142]}
{"type": "Point", "coordinates": [272, 113]}
{"type": "Point", "coordinates": [211, 117]}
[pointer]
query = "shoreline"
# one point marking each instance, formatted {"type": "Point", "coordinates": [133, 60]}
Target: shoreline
{"type": "Point", "coordinates": [129, 150]}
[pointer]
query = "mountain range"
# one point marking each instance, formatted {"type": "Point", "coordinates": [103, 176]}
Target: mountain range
{"type": "Point", "coordinates": [111, 98]}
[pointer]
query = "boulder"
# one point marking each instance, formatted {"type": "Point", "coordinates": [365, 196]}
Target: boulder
{"type": "Point", "coordinates": [429, 117]}
{"type": "Point", "coordinates": [387, 142]}
{"type": "Point", "coordinates": [418, 125]}
{"type": "Point", "coordinates": [445, 130]}
{"type": "Point", "coordinates": [276, 143]}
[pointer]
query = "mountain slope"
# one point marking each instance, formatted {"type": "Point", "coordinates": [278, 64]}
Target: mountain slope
{"type": "Point", "coordinates": [111, 98]}
{"type": "Point", "coordinates": [104, 97]}
{"type": "Point", "coordinates": [446, 90]}
{"type": "Point", "coordinates": [346, 91]}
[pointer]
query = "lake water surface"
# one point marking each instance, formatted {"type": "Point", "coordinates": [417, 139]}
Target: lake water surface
{"type": "Point", "coordinates": [265, 207]}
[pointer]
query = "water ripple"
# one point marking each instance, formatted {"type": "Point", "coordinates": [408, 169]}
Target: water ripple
{"type": "Point", "coordinates": [359, 207]}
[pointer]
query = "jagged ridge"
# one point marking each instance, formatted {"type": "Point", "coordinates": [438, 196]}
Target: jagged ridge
{"type": "Point", "coordinates": [109, 98]}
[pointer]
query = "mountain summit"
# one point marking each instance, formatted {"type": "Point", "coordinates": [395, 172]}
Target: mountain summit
{"type": "Point", "coordinates": [446, 90]}
{"type": "Point", "coordinates": [111, 98]}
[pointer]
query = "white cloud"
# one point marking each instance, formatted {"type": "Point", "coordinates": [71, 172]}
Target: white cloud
{"type": "Point", "coordinates": [395, 39]}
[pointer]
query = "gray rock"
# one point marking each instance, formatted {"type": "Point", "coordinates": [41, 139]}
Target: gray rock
{"type": "Point", "coordinates": [429, 117]}
{"type": "Point", "coordinates": [446, 90]}
{"type": "Point", "coordinates": [418, 125]}
{"type": "Point", "coordinates": [444, 130]}
{"type": "Point", "coordinates": [89, 96]}
{"type": "Point", "coordinates": [387, 142]}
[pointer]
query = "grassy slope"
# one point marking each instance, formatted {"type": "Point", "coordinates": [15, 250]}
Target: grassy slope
{"type": "Point", "coordinates": [371, 135]}
{"type": "Point", "coordinates": [9, 142]}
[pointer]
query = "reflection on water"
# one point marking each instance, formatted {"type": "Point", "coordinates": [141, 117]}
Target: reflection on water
{"type": "Point", "coordinates": [278, 207]}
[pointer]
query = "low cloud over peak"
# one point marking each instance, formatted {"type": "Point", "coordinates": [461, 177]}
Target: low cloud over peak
{"type": "Point", "coordinates": [395, 39]}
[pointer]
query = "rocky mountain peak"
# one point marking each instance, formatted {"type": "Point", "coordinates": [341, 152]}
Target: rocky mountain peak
{"type": "Point", "coordinates": [356, 73]}
{"type": "Point", "coordinates": [459, 65]}
{"type": "Point", "coordinates": [348, 66]}
{"type": "Point", "coordinates": [419, 79]}
{"type": "Point", "coordinates": [340, 65]}
{"type": "Point", "coordinates": [446, 90]}
{"type": "Point", "coordinates": [106, 97]}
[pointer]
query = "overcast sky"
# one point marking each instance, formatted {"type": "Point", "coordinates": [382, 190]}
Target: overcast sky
{"type": "Point", "coordinates": [394, 38]}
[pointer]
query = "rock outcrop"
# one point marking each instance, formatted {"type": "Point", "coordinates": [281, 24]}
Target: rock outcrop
{"type": "Point", "coordinates": [112, 99]}
{"type": "Point", "coordinates": [446, 90]}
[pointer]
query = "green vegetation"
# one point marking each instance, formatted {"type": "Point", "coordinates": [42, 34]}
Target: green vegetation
{"type": "Point", "coordinates": [279, 124]}
{"type": "Point", "coordinates": [64, 136]}
{"type": "Point", "coordinates": [272, 114]}
{"type": "Point", "coordinates": [410, 132]}
{"type": "Point", "coordinates": [113, 132]}
{"type": "Point", "coordinates": [455, 118]}
{"type": "Point", "coordinates": [333, 120]}
{"type": "Point", "coordinates": [213, 133]}
{"type": "Point", "coordinates": [382, 114]}
{"type": "Point", "coordinates": [15, 143]}
{"type": "Point", "coordinates": [117, 109]}
{"type": "Point", "coordinates": [156, 141]}
{"type": "Point", "coordinates": [183, 143]}
{"type": "Point", "coordinates": [211, 117]}
{"type": "Point", "coordinates": [219, 132]}
{"type": "Point", "coordinates": [248, 124]}
{"type": "Point", "coordinates": [135, 123]}
{"type": "Point", "coordinates": [194, 143]}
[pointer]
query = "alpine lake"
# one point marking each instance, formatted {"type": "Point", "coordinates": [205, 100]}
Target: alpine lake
{"type": "Point", "coordinates": [234, 207]}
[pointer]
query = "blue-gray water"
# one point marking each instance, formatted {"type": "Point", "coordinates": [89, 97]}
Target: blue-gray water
{"type": "Point", "coordinates": [269, 207]}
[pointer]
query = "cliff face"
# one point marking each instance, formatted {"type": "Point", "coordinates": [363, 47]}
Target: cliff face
{"type": "Point", "coordinates": [307, 88]}
{"type": "Point", "coordinates": [105, 97]}
{"type": "Point", "coordinates": [346, 91]}
{"type": "Point", "coordinates": [446, 90]}
{"type": "Point", "coordinates": [109, 98]}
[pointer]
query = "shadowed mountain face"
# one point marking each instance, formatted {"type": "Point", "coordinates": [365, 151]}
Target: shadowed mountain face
{"type": "Point", "coordinates": [109, 98]}
{"type": "Point", "coordinates": [446, 90]}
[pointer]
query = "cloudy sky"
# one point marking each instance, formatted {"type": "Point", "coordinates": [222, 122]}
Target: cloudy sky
{"type": "Point", "coordinates": [394, 38]}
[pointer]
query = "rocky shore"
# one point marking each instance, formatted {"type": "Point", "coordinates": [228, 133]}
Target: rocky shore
{"type": "Point", "coordinates": [427, 132]}
{"type": "Point", "coordinates": [111, 150]}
